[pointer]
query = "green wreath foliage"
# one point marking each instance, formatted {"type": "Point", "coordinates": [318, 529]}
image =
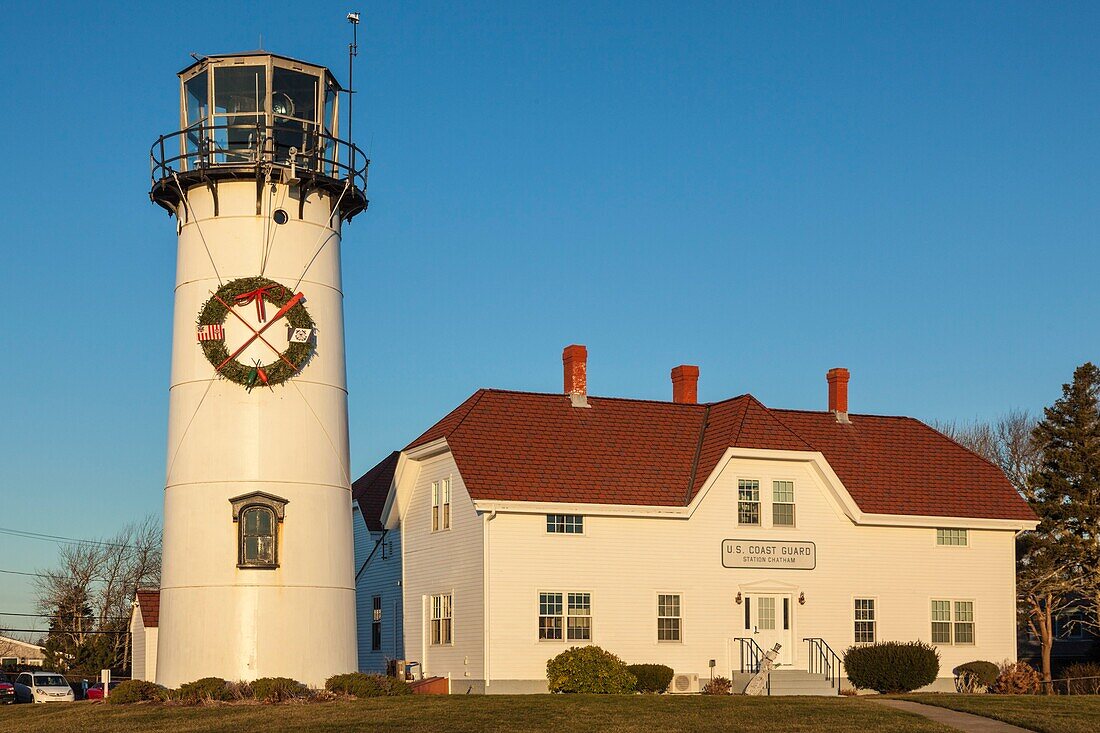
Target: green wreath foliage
{"type": "Point", "coordinates": [214, 312]}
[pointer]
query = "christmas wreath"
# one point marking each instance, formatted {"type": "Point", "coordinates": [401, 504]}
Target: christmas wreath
{"type": "Point", "coordinates": [261, 291]}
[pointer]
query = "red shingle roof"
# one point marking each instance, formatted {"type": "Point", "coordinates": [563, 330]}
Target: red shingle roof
{"type": "Point", "coordinates": [537, 447]}
{"type": "Point", "coordinates": [149, 603]}
{"type": "Point", "coordinates": [371, 488]}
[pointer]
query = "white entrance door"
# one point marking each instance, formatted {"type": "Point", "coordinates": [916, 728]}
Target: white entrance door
{"type": "Point", "coordinates": [771, 622]}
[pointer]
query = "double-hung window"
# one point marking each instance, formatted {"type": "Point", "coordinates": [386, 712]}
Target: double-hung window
{"type": "Point", "coordinates": [579, 620]}
{"type": "Point", "coordinates": [550, 616]}
{"type": "Point", "coordinates": [442, 619]}
{"type": "Point", "coordinates": [257, 528]}
{"type": "Point", "coordinates": [748, 501]}
{"type": "Point", "coordinates": [565, 615]}
{"type": "Point", "coordinates": [668, 617]}
{"type": "Point", "coordinates": [376, 624]}
{"type": "Point", "coordinates": [865, 621]}
{"type": "Point", "coordinates": [952, 537]}
{"type": "Point", "coordinates": [441, 505]}
{"type": "Point", "coordinates": [783, 503]}
{"type": "Point", "coordinates": [565, 523]}
{"type": "Point", "coordinates": [952, 622]}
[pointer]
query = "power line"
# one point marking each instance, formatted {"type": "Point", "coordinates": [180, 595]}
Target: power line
{"type": "Point", "coordinates": [56, 615]}
{"type": "Point", "coordinates": [54, 577]}
{"type": "Point", "coordinates": [30, 575]}
{"type": "Point", "coordinates": [57, 538]}
{"type": "Point", "coordinates": [61, 631]}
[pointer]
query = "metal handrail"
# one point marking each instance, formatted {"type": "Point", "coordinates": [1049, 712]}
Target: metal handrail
{"type": "Point", "coordinates": [750, 653]}
{"type": "Point", "coordinates": [823, 660]}
{"type": "Point", "coordinates": [200, 150]}
{"type": "Point", "coordinates": [754, 655]}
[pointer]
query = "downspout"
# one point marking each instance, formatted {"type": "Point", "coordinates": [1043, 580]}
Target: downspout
{"type": "Point", "coordinates": [486, 518]}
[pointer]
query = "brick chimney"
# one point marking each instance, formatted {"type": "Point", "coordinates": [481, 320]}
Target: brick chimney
{"type": "Point", "coordinates": [574, 359]}
{"type": "Point", "coordinates": [685, 384]}
{"type": "Point", "coordinates": [838, 393]}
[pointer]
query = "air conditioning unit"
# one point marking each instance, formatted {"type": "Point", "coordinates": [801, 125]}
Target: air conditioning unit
{"type": "Point", "coordinates": [684, 683]}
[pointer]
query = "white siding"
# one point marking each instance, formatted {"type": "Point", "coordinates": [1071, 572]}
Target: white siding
{"type": "Point", "coordinates": [624, 562]}
{"type": "Point", "coordinates": [450, 561]}
{"type": "Point", "coordinates": [379, 574]}
{"type": "Point", "coordinates": [137, 646]}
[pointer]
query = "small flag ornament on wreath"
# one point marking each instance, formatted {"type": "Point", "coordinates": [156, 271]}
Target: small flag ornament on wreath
{"type": "Point", "coordinates": [258, 291]}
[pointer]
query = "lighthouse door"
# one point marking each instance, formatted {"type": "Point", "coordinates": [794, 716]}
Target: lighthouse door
{"type": "Point", "coordinates": [770, 618]}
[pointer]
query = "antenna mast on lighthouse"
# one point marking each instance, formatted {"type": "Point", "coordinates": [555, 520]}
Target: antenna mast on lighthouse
{"type": "Point", "coordinates": [353, 51]}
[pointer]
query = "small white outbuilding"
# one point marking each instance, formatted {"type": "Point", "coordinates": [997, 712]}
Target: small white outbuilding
{"type": "Point", "coordinates": [144, 625]}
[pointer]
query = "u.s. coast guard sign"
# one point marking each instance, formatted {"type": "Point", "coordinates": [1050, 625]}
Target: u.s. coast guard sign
{"type": "Point", "coordinates": [769, 554]}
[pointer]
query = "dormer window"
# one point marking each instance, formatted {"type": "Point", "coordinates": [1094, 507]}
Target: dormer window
{"type": "Point", "coordinates": [258, 516]}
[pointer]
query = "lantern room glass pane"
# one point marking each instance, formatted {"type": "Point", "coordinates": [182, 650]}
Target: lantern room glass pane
{"type": "Point", "coordinates": [240, 89]}
{"type": "Point", "coordinates": [198, 104]}
{"type": "Point", "coordinates": [294, 94]}
{"type": "Point", "coordinates": [294, 104]}
{"type": "Point", "coordinates": [240, 92]}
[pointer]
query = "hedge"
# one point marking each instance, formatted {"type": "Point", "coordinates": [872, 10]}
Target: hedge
{"type": "Point", "coordinates": [892, 666]}
{"type": "Point", "coordinates": [589, 669]}
{"type": "Point", "coordinates": [651, 677]}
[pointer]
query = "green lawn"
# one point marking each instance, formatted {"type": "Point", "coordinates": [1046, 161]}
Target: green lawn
{"type": "Point", "coordinates": [457, 714]}
{"type": "Point", "coordinates": [1047, 714]}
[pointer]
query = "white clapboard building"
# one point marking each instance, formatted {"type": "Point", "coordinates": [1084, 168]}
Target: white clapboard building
{"type": "Point", "coordinates": [692, 535]}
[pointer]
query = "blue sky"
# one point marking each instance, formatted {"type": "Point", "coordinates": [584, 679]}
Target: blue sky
{"type": "Point", "coordinates": [767, 190]}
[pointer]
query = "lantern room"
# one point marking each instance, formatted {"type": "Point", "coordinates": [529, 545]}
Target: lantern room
{"type": "Point", "coordinates": [264, 114]}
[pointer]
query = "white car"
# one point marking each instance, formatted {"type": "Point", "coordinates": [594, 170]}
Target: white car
{"type": "Point", "coordinates": [42, 687]}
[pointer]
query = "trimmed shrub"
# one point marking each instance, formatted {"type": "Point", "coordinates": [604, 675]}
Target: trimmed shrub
{"type": "Point", "coordinates": [1083, 686]}
{"type": "Point", "coordinates": [205, 690]}
{"type": "Point", "coordinates": [1017, 678]}
{"type": "Point", "coordinates": [589, 669]}
{"type": "Point", "coordinates": [892, 666]}
{"type": "Point", "coordinates": [651, 677]}
{"type": "Point", "coordinates": [277, 689]}
{"type": "Point", "coordinates": [976, 676]}
{"type": "Point", "coordinates": [718, 686]}
{"type": "Point", "coordinates": [132, 691]}
{"type": "Point", "coordinates": [359, 684]}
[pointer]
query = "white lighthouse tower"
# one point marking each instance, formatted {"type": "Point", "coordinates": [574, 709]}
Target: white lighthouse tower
{"type": "Point", "coordinates": [258, 576]}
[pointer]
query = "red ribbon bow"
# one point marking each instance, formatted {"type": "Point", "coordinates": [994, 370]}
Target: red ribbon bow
{"type": "Point", "coordinates": [258, 296]}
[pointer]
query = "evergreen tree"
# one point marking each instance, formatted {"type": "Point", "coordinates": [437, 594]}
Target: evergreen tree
{"type": "Point", "coordinates": [1066, 485]}
{"type": "Point", "coordinates": [1059, 563]}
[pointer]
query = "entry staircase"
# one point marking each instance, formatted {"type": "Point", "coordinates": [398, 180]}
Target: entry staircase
{"type": "Point", "coordinates": [822, 676]}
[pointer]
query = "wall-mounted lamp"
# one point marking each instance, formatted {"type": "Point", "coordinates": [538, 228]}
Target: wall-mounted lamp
{"type": "Point", "coordinates": [737, 600]}
{"type": "Point", "coordinates": [802, 599]}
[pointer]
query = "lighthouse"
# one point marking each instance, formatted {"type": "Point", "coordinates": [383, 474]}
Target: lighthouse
{"type": "Point", "coordinates": [258, 577]}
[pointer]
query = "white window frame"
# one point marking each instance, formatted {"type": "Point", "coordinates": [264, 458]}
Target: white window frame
{"type": "Point", "coordinates": [565, 524]}
{"type": "Point", "coordinates": [873, 620]}
{"type": "Point", "coordinates": [449, 618]}
{"type": "Point", "coordinates": [741, 485]}
{"type": "Point", "coordinates": [564, 616]}
{"type": "Point", "coordinates": [442, 493]}
{"type": "Point", "coordinates": [793, 504]}
{"type": "Point", "coordinates": [953, 621]}
{"type": "Point", "coordinates": [679, 617]}
{"type": "Point", "coordinates": [948, 533]}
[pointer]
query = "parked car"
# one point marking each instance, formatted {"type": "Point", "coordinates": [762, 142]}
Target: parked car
{"type": "Point", "coordinates": [7, 689]}
{"type": "Point", "coordinates": [42, 687]}
{"type": "Point", "coordinates": [95, 692]}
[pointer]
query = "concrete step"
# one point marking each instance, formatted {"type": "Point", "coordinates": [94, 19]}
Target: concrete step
{"type": "Point", "coordinates": [800, 682]}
